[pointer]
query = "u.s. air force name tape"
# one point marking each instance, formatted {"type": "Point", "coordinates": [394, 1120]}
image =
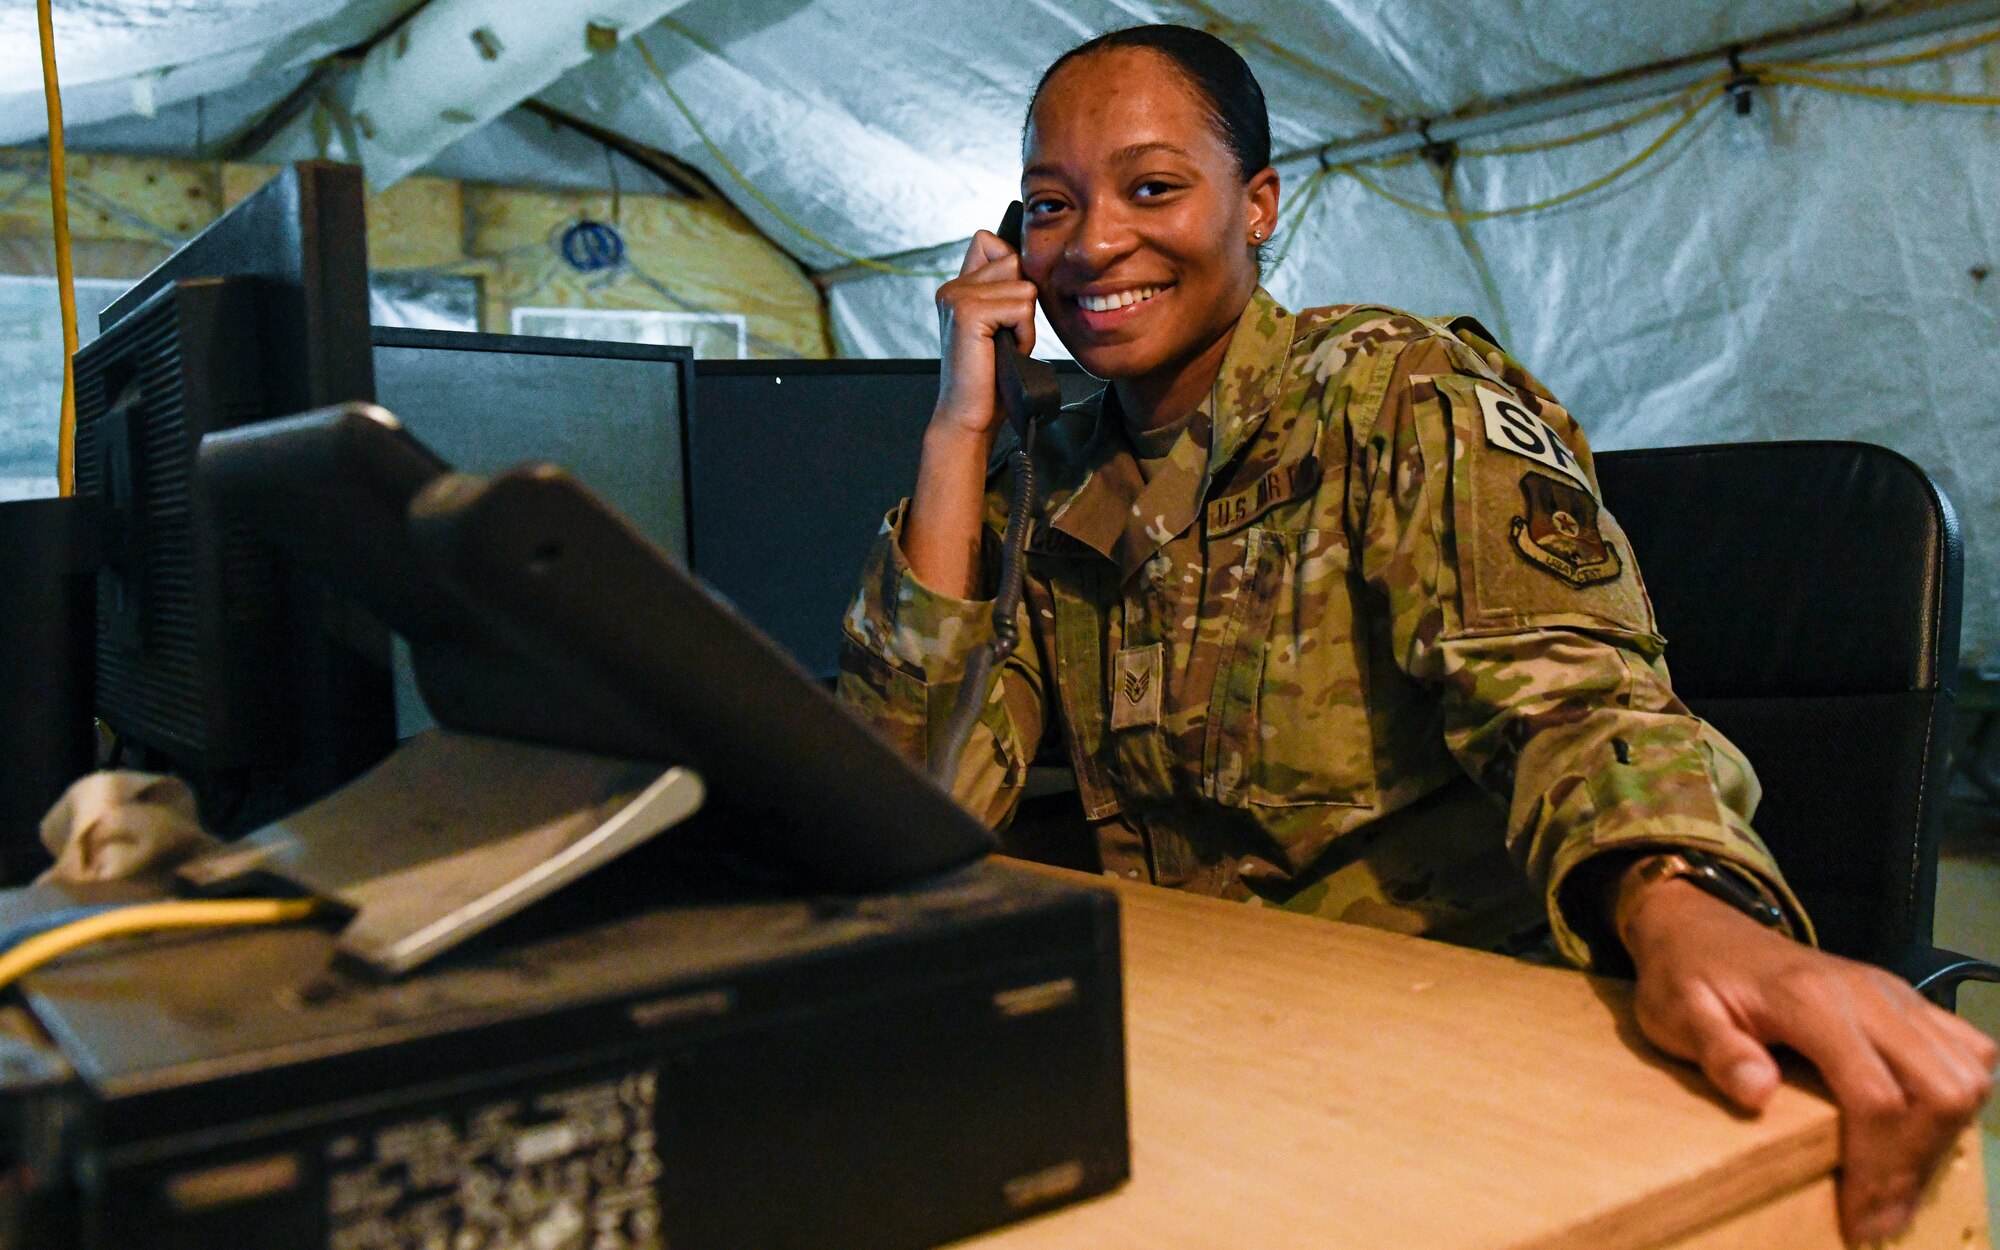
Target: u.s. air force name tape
{"type": "Point", "coordinates": [1510, 427]}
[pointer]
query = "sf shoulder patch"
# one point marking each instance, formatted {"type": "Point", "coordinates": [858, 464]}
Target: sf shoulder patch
{"type": "Point", "coordinates": [1512, 428]}
{"type": "Point", "coordinates": [1560, 534]}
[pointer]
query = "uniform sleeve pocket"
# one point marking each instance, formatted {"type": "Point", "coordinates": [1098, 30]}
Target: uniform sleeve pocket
{"type": "Point", "coordinates": [889, 699]}
{"type": "Point", "coordinates": [1536, 548]}
{"type": "Point", "coordinates": [1288, 727]}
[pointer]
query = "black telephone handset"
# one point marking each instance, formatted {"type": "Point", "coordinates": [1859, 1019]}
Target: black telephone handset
{"type": "Point", "coordinates": [1028, 393]}
{"type": "Point", "coordinates": [1028, 388]}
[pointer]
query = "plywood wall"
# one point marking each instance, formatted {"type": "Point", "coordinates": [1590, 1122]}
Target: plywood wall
{"type": "Point", "coordinates": [126, 213]}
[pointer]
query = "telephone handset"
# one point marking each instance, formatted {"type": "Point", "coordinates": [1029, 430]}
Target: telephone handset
{"type": "Point", "coordinates": [1028, 388]}
{"type": "Point", "coordinates": [1028, 393]}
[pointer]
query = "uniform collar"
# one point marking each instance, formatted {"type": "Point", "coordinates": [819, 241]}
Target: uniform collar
{"type": "Point", "coordinates": [1122, 516]}
{"type": "Point", "coordinates": [1253, 370]}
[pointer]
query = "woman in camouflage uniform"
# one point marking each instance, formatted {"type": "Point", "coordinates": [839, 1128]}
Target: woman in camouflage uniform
{"type": "Point", "coordinates": [1327, 614]}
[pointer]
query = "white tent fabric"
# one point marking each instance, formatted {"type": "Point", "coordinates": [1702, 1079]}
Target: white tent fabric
{"type": "Point", "coordinates": [889, 127]}
{"type": "Point", "coordinates": [123, 58]}
{"type": "Point", "coordinates": [1816, 275]}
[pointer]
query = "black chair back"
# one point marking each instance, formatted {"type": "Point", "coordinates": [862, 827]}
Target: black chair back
{"type": "Point", "coordinates": [1809, 593]}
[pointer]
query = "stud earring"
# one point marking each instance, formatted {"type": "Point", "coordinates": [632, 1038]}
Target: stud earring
{"type": "Point", "coordinates": [1256, 236]}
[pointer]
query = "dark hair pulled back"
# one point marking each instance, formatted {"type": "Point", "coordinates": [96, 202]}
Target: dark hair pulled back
{"type": "Point", "coordinates": [1235, 100]}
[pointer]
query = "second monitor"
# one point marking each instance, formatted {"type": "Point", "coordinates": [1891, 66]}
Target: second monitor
{"type": "Point", "coordinates": [611, 413]}
{"type": "Point", "coordinates": [767, 478]}
{"type": "Point", "coordinates": [791, 466]}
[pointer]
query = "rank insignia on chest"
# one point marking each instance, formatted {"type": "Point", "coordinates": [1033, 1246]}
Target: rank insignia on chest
{"type": "Point", "coordinates": [1135, 687]}
{"type": "Point", "coordinates": [1560, 534]}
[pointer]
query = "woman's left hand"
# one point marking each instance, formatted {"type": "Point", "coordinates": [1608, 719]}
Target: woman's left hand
{"type": "Point", "coordinates": [1717, 988]}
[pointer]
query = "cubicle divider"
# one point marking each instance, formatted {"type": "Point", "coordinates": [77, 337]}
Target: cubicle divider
{"type": "Point", "coordinates": [792, 465]}
{"type": "Point", "coordinates": [47, 635]}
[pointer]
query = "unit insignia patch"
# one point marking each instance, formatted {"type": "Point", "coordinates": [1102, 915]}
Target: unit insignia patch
{"type": "Point", "coordinates": [1560, 535]}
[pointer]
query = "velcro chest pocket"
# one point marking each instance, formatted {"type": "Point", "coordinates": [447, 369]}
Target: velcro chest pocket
{"type": "Point", "coordinates": [1287, 722]}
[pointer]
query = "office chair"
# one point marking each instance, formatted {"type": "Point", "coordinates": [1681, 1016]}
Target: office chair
{"type": "Point", "coordinates": [1809, 592]}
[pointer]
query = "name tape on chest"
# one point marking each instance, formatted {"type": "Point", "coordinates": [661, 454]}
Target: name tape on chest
{"type": "Point", "coordinates": [1281, 485]}
{"type": "Point", "coordinates": [1512, 428]}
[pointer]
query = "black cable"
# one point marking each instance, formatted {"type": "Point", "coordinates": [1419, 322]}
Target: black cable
{"type": "Point", "coordinates": [975, 687]}
{"type": "Point", "coordinates": [1028, 392]}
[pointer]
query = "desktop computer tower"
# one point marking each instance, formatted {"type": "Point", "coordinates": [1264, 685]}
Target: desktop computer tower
{"type": "Point", "coordinates": [886, 1072]}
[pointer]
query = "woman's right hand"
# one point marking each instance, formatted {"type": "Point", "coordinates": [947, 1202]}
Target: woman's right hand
{"type": "Point", "coordinates": [941, 531]}
{"type": "Point", "coordinates": [989, 293]}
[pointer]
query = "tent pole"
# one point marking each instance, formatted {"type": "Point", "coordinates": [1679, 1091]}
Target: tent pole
{"type": "Point", "coordinates": [1647, 81]}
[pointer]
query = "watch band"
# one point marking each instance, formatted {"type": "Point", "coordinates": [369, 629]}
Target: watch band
{"type": "Point", "coordinates": [1711, 876]}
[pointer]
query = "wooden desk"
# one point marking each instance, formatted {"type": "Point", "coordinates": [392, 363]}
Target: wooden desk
{"type": "Point", "coordinates": [1297, 1083]}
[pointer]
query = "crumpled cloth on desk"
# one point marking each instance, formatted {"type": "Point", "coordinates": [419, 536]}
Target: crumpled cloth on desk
{"type": "Point", "coordinates": [112, 825]}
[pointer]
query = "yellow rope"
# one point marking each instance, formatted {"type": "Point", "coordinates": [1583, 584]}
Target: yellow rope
{"type": "Point", "coordinates": [1227, 28]}
{"type": "Point", "coordinates": [1668, 105]}
{"type": "Point", "coordinates": [65, 276]}
{"type": "Point", "coordinates": [1308, 191]}
{"type": "Point", "coordinates": [1889, 62]}
{"type": "Point", "coordinates": [147, 918]}
{"type": "Point", "coordinates": [1596, 184]}
{"type": "Point", "coordinates": [791, 223]}
{"type": "Point", "coordinates": [1900, 94]}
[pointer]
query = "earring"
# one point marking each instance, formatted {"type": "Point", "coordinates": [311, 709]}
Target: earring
{"type": "Point", "coordinates": [1256, 236]}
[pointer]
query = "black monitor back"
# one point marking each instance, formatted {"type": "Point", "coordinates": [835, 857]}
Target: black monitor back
{"type": "Point", "coordinates": [304, 235]}
{"type": "Point", "coordinates": [47, 569]}
{"type": "Point", "coordinates": [263, 689]}
{"type": "Point", "coordinates": [609, 413]}
{"type": "Point", "coordinates": [792, 465]}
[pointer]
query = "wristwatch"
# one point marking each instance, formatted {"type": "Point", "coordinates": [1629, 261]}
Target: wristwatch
{"type": "Point", "coordinates": [1708, 874]}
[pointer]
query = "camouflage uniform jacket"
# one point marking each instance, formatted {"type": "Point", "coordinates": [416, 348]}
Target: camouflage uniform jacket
{"type": "Point", "coordinates": [1374, 566]}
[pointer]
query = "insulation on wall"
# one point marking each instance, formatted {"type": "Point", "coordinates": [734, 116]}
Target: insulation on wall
{"type": "Point", "coordinates": [127, 214]}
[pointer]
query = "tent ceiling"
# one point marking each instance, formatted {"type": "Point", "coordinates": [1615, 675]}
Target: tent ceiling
{"type": "Point", "coordinates": [120, 57]}
{"type": "Point", "coordinates": [884, 128]}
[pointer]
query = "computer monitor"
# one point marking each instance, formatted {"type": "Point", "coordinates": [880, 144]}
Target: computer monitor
{"type": "Point", "coordinates": [609, 413]}
{"type": "Point", "coordinates": [791, 466]}
{"type": "Point", "coordinates": [213, 660]}
{"type": "Point", "coordinates": [303, 236]}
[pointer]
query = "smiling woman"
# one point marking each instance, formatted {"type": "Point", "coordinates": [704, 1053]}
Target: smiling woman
{"type": "Point", "coordinates": [1143, 234]}
{"type": "Point", "coordinates": [1328, 615]}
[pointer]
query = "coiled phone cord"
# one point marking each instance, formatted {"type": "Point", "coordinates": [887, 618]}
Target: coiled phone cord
{"type": "Point", "coordinates": [977, 685]}
{"type": "Point", "coordinates": [1028, 392]}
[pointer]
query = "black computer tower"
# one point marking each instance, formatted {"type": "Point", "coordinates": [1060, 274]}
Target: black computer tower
{"type": "Point", "coordinates": [889, 1072]}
